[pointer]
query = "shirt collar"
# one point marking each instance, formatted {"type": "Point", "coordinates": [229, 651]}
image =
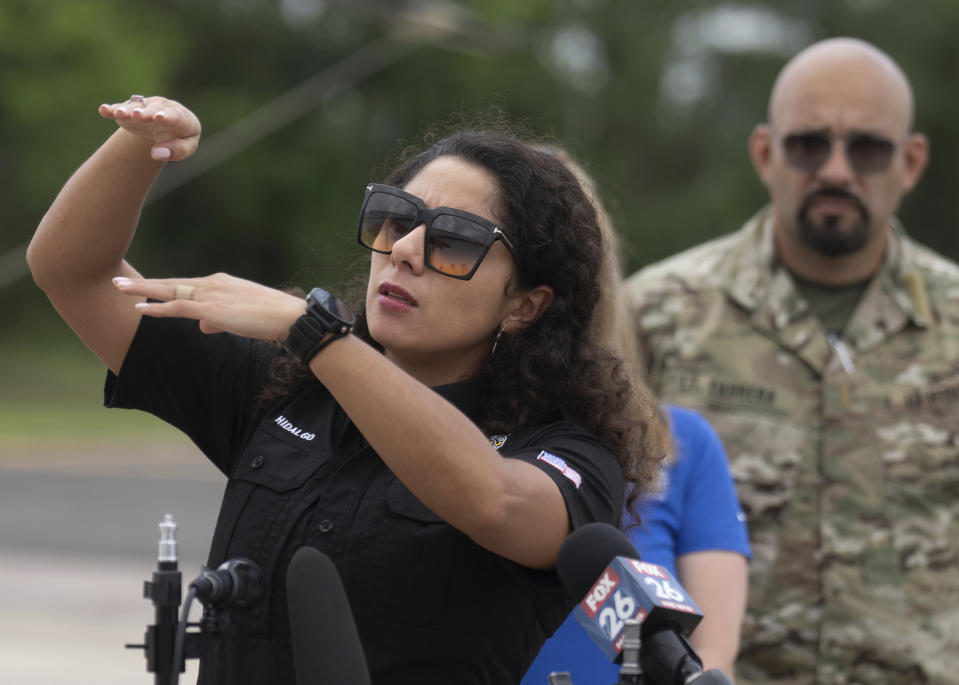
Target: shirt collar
{"type": "Point", "coordinates": [902, 277]}
{"type": "Point", "coordinates": [467, 396]}
{"type": "Point", "coordinates": [754, 276]}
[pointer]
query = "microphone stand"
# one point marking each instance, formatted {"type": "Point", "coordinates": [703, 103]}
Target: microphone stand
{"type": "Point", "coordinates": [160, 637]}
{"type": "Point", "coordinates": [164, 592]}
{"type": "Point", "coordinates": [664, 657]}
{"type": "Point", "coordinates": [631, 671]}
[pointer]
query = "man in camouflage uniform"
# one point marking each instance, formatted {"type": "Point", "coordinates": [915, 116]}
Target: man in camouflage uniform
{"type": "Point", "coordinates": [823, 345]}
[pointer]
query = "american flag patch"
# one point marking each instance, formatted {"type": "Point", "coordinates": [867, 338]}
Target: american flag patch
{"type": "Point", "coordinates": [561, 465]}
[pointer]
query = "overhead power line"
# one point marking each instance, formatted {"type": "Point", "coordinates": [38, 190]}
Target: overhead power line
{"type": "Point", "coordinates": [315, 92]}
{"type": "Point", "coordinates": [412, 23]}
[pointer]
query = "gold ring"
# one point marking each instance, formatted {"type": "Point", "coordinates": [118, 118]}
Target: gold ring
{"type": "Point", "coordinates": [137, 100]}
{"type": "Point", "coordinates": [183, 292]}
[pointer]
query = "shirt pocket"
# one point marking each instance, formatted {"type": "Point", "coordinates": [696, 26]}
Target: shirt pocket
{"type": "Point", "coordinates": [766, 441]}
{"type": "Point", "coordinates": [409, 563]}
{"type": "Point", "coordinates": [268, 480]}
{"type": "Point", "coordinates": [917, 436]}
{"type": "Point", "coordinates": [273, 460]}
{"type": "Point", "coordinates": [771, 443]}
{"type": "Point", "coordinates": [404, 504]}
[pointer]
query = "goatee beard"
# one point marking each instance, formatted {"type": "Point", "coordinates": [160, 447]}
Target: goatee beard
{"type": "Point", "coordinates": [828, 238]}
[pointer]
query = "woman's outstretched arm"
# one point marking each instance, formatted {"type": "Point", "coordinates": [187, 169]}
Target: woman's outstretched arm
{"type": "Point", "coordinates": [505, 505]}
{"type": "Point", "coordinates": [80, 243]}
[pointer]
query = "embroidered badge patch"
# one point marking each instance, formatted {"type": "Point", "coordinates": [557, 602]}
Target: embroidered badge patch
{"type": "Point", "coordinates": [497, 441]}
{"type": "Point", "coordinates": [561, 465]}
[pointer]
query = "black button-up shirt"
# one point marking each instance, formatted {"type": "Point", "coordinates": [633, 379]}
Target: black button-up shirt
{"type": "Point", "coordinates": [431, 606]}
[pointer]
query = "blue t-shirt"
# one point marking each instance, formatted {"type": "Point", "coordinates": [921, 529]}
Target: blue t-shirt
{"type": "Point", "coordinates": [698, 511]}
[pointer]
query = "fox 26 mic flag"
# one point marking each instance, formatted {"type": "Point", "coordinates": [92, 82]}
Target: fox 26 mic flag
{"type": "Point", "coordinates": [631, 589]}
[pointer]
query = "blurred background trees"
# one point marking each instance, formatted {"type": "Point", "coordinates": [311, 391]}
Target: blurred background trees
{"type": "Point", "coordinates": [304, 101]}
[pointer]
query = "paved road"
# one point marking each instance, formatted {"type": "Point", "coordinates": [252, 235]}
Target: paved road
{"type": "Point", "coordinates": [78, 536]}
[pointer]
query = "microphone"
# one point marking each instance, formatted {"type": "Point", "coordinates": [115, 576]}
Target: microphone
{"type": "Point", "coordinates": [585, 553]}
{"type": "Point", "coordinates": [599, 564]}
{"type": "Point", "coordinates": [235, 582]}
{"type": "Point", "coordinates": [326, 645]}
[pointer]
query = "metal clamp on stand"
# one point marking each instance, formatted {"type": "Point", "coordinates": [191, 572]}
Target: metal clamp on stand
{"type": "Point", "coordinates": [631, 671]}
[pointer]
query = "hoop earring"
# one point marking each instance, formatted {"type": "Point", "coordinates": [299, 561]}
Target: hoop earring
{"type": "Point", "coordinates": [499, 334]}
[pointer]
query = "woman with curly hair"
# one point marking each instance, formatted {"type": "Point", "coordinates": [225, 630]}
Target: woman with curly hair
{"type": "Point", "coordinates": [694, 526]}
{"type": "Point", "coordinates": [438, 446]}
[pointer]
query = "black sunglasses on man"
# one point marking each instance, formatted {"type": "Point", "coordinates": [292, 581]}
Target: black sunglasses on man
{"type": "Point", "coordinates": [867, 153]}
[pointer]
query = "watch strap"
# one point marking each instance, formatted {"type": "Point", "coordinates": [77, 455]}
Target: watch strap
{"type": "Point", "coordinates": [309, 333]}
{"type": "Point", "coordinates": [323, 343]}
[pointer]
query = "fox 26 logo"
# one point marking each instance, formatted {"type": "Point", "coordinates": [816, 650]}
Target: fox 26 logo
{"type": "Point", "coordinates": [609, 604]}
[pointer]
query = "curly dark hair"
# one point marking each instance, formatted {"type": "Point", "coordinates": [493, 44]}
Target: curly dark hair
{"type": "Point", "coordinates": [554, 363]}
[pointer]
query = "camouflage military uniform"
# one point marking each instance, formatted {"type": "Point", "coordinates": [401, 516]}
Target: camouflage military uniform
{"type": "Point", "coordinates": [846, 456]}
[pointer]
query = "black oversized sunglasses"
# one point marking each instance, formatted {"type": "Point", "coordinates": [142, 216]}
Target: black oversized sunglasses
{"type": "Point", "coordinates": [455, 241]}
{"type": "Point", "coordinates": [809, 150]}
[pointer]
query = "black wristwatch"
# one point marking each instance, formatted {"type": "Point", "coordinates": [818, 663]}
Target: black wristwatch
{"type": "Point", "coordinates": [324, 314]}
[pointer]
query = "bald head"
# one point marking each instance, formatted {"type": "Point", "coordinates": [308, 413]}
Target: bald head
{"type": "Point", "coordinates": [839, 70]}
{"type": "Point", "coordinates": [837, 155]}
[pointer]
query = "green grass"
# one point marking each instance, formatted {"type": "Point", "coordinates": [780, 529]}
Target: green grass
{"type": "Point", "coordinates": [52, 390]}
{"type": "Point", "coordinates": [56, 423]}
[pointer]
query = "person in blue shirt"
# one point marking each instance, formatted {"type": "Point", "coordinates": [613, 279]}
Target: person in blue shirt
{"type": "Point", "coordinates": [694, 526]}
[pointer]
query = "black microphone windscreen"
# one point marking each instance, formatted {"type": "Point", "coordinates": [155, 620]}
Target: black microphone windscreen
{"type": "Point", "coordinates": [326, 645]}
{"type": "Point", "coordinates": [586, 553]}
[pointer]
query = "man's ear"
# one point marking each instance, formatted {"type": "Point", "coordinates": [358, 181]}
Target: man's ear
{"type": "Point", "coordinates": [917, 157]}
{"type": "Point", "coordinates": [526, 307]}
{"type": "Point", "coordinates": [760, 150]}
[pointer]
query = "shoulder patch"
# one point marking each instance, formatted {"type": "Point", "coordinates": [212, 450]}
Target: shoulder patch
{"type": "Point", "coordinates": [560, 464]}
{"type": "Point", "coordinates": [498, 441]}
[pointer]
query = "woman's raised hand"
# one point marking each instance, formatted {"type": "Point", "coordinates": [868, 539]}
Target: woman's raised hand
{"type": "Point", "coordinates": [219, 302]}
{"type": "Point", "coordinates": [174, 129]}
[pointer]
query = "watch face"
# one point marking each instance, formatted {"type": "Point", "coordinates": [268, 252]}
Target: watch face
{"type": "Point", "coordinates": [341, 311]}
{"type": "Point", "coordinates": [334, 306]}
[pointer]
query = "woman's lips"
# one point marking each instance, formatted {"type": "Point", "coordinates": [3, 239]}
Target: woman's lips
{"type": "Point", "coordinates": [395, 298]}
